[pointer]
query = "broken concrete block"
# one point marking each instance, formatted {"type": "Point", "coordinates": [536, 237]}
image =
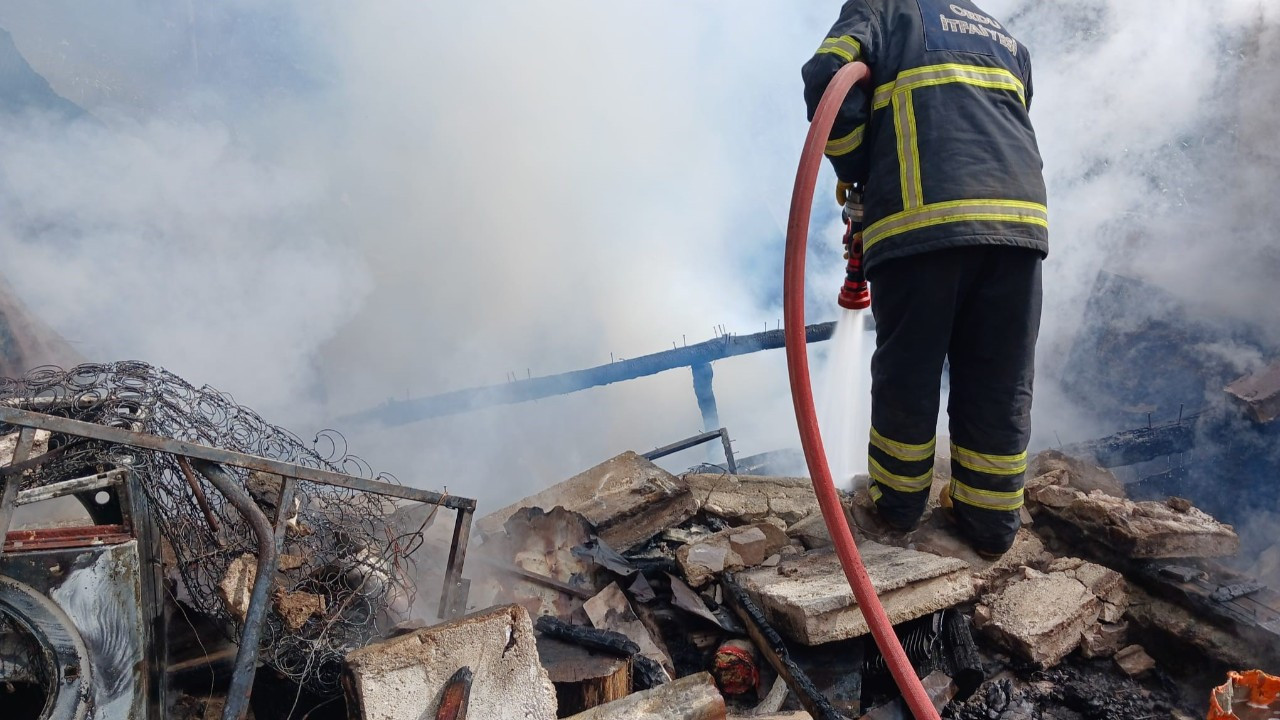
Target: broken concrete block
{"type": "Point", "coordinates": [1040, 618]}
{"type": "Point", "coordinates": [1079, 474]}
{"type": "Point", "coordinates": [750, 545]}
{"type": "Point", "coordinates": [812, 531]}
{"type": "Point", "coordinates": [236, 585]}
{"type": "Point", "coordinates": [690, 698]}
{"type": "Point", "coordinates": [1146, 529]}
{"type": "Point", "coordinates": [703, 560]}
{"type": "Point", "coordinates": [1259, 393]}
{"type": "Point", "coordinates": [1134, 661]}
{"type": "Point", "coordinates": [296, 608]}
{"type": "Point", "coordinates": [751, 498]}
{"type": "Point", "coordinates": [807, 597]}
{"type": "Point", "coordinates": [1104, 640]}
{"type": "Point", "coordinates": [1106, 584]}
{"type": "Point", "coordinates": [628, 499]}
{"type": "Point", "coordinates": [610, 610]}
{"type": "Point", "coordinates": [402, 678]}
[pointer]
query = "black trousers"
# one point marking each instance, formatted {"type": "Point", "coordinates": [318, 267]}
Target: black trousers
{"type": "Point", "coordinates": [978, 309]}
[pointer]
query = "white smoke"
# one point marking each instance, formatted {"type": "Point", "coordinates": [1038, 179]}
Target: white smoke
{"type": "Point", "coordinates": [317, 206]}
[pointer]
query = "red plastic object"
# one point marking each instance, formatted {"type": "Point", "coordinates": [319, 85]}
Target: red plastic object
{"type": "Point", "coordinates": [802, 395]}
{"type": "Point", "coordinates": [854, 294]}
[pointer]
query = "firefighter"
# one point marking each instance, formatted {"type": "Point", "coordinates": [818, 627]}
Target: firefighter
{"type": "Point", "coordinates": [941, 150]}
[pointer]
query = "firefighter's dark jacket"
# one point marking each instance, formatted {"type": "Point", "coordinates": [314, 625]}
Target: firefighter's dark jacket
{"type": "Point", "coordinates": [941, 138]}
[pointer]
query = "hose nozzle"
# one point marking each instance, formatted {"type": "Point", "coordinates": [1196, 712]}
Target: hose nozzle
{"type": "Point", "coordinates": [855, 294]}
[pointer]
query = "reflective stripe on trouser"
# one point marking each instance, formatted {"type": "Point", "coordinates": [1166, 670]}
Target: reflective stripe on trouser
{"type": "Point", "coordinates": [977, 308]}
{"type": "Point", "coordinates": [901, 475]}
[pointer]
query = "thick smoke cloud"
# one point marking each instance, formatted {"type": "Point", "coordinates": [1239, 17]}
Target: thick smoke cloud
{"type": "Point", "coordinates": [317, 206]}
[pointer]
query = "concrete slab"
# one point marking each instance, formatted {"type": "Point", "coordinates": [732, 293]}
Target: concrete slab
{"type": "Point", "coordinates": [628, 499]}
{"type": "Point", "coordinates": [1040, 618]}
{"type": "Point", "coordinates": [1171, 529]}
{"type": "Point", "coordinates": [807, 598]}
{"type": "Point", "coordinates": [402, 678]}
{"type": "Point", "coordinates": [749, 498]}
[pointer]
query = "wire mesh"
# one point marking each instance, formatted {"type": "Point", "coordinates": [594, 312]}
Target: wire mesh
{"type": "Point", "coordinates": [346, 570]}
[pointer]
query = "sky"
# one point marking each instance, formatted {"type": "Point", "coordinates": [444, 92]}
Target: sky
{"type": "Point", "coordinates": [317, 206]}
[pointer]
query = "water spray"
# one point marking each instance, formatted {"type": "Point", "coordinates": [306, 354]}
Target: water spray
{"type": "Point", "coordinates": [802, 391]}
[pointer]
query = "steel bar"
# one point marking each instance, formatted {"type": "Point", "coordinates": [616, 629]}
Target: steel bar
{"type": "Point", "coordinates": [400, 412]}
{"type": "Point", "coordinates": [449, 604]}
{"type": "Point", "coordinates": [120, 436]}
{"type": "Point", "coordinates": [70, 487]}
{"type": "Point", "coordinates": [237, 706]}
{"type": "Point", "coordinates": [684, 444]}
{"type": "Point", "coordinates": [26, 439]}
{"type": "Point", "coordinates": [728, 451]}
{"type": "Point", "coordinates": [201, 500]}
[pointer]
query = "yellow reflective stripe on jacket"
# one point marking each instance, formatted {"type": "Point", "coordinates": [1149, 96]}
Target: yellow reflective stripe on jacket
{"type": "Point", "coordinates": [846, 144]}
{"type": "Point", "coordinates": [844, 46]}
{"type": "Point", "coordinates": [908, 80]}
{"type": "Point", "coordinates": [904, 122]}
{"type": "Point", "coordinates": [903, 451]}
{"type": "Point", "coordinates": [986, 499]}
{"type": "Point", "coordinates": [1017, 211]}
{"type": "Point", "coordinates": [987, 463]}
{"type": "Point", "coordinates": [901, 483]}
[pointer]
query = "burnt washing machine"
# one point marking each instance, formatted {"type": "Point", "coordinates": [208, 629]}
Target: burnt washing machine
{"type": "Point", "coordinates": [80, 634]}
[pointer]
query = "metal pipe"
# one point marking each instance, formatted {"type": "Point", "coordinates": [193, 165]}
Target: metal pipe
{"type": "Point", "coordinates": [145, 441]}
{"type": "Point", "coordinates": [247, 656]}
{"type": "Point", "coordinates": [70, 487]}
{"type": "Point", "coordinates": [201, 500]}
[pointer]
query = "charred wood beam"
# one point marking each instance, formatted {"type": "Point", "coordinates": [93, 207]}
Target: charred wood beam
{"type": "Point", "coordinates": [770, 644]}
{"type": "Point", "coordinates": [648, 672]}
{"type": "Point", "coordinates": [1135, 446]}
{"type": "Point", "coordinates": [401, 412]}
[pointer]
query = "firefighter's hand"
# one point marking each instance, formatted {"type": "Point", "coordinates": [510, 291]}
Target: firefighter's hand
{"type": "Point", "coordinates": [842, 192]}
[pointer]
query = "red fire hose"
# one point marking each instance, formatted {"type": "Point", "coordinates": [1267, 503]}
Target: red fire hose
{"type": "Point", "coordinates": [802, 395]}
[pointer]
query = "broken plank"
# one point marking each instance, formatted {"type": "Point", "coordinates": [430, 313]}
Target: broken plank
{"type": "Point", "coordinates": [690, 698]}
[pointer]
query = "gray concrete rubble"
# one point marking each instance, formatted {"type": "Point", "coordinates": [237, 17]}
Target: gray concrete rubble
{"type": "Point", "coordinates": [808, 599]}
{"type": "Point", "coordinates": [1043, 616]}
{"type": "Point", "coordinates": [1077, 473]}
{"type": "Point", "coordinates": [730, 549]}
{"type": "Point", "coordinates": [747, 498]}
{"type": "Point", "coordinates": [403, 678]}
{"type": "Point", "coordinates": [1172, 529]}
{"type": "Point", "coordinates": [628, 499]}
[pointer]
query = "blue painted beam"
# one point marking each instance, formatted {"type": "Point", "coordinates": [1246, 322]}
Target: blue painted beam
{"type": "Point", "coordinates": [402, 412]}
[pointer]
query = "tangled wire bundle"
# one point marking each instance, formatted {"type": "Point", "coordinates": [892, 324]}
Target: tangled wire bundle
{"type": "Point", "coordinates": [345, 569]}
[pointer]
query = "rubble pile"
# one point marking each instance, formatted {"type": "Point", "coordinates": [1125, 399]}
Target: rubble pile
{"type": "Point", "coordinates": [712, 596]}
{"type": "Point", "coordinates": [629, 592]}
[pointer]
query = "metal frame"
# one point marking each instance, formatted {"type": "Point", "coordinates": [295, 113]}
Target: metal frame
{"type": "Point", "coordinates": [208, 462]}
{"type": "Point", "coordinates": [696, 440]}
